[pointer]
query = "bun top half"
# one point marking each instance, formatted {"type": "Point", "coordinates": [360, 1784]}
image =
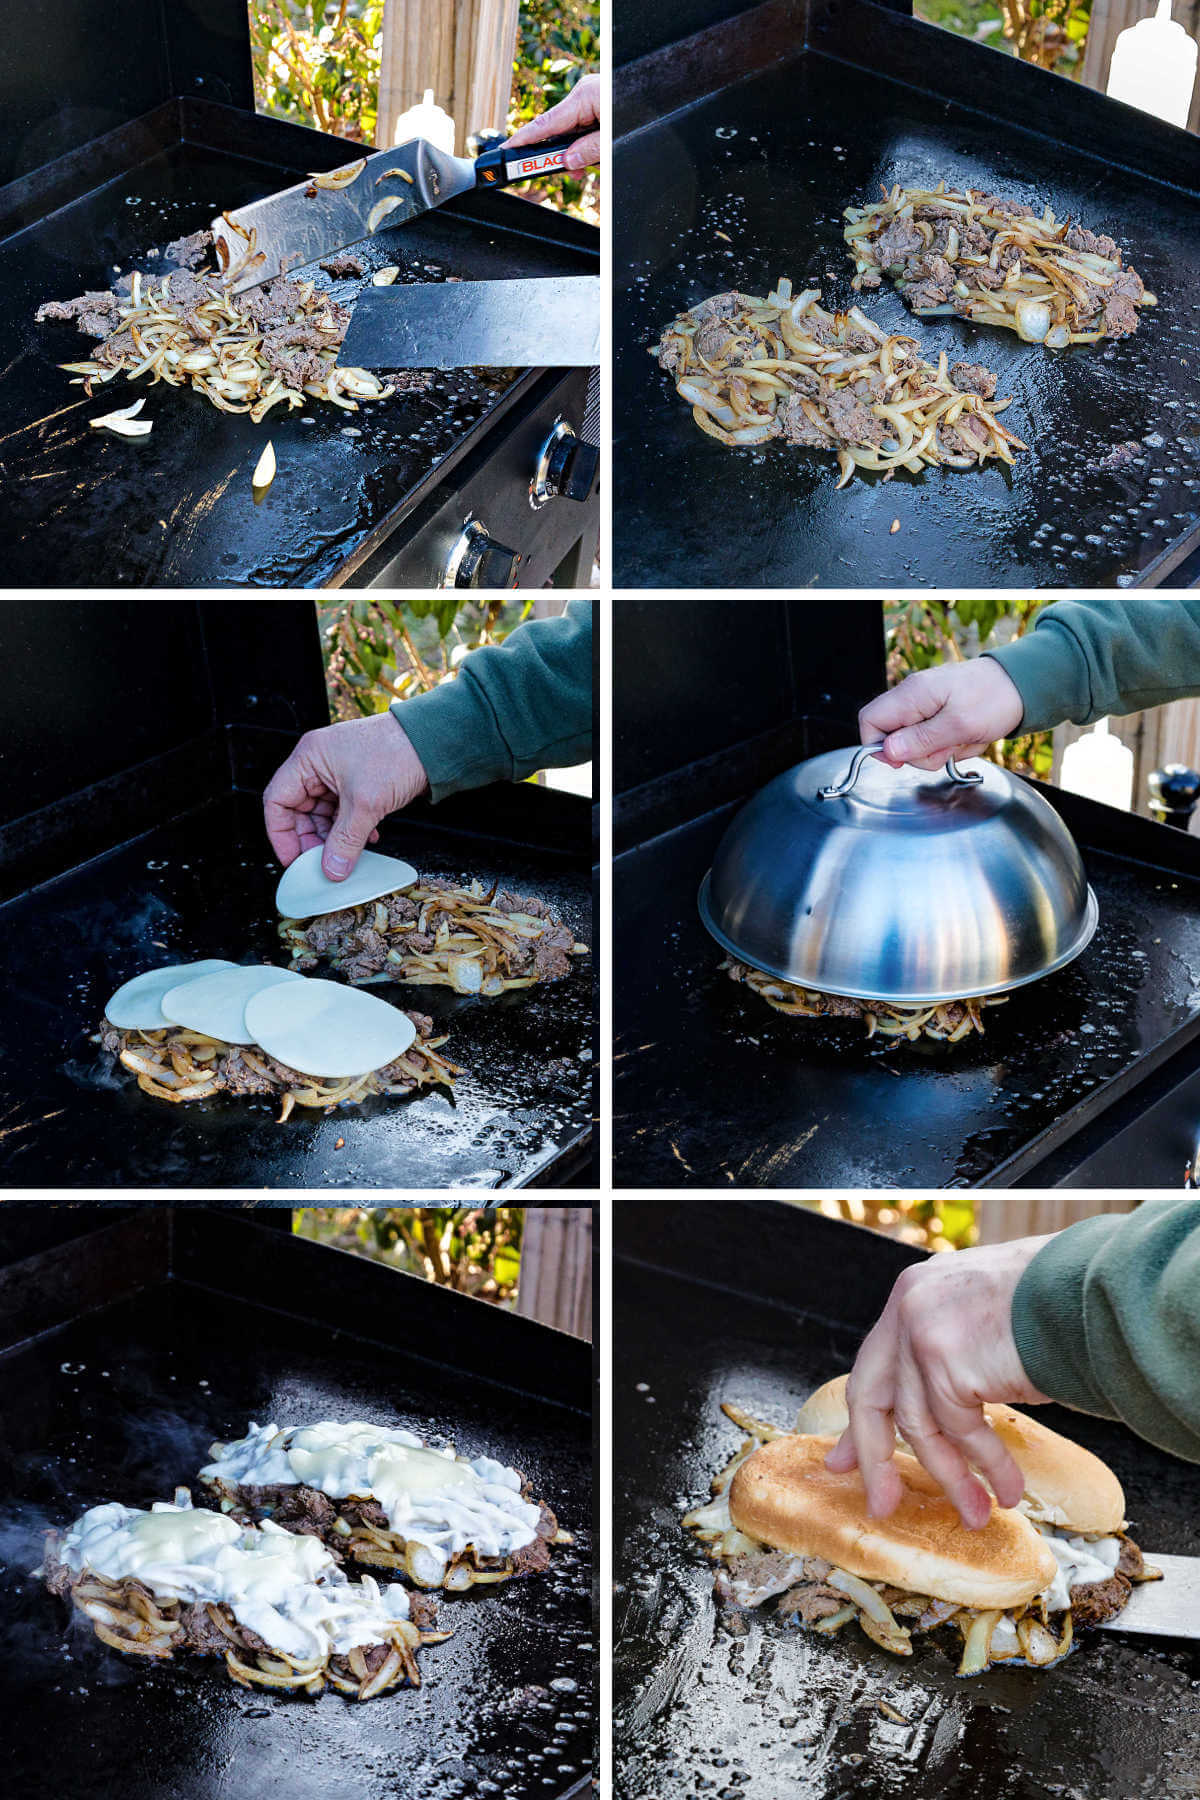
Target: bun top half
{"type": "Point", "coordinates": [1065, 1485]}
{"type": "Point", "coordinates": [784, 1496]}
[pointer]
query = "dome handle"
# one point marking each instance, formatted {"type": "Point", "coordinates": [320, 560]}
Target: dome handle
{"type": "Point", "coordinates": [961, 777]}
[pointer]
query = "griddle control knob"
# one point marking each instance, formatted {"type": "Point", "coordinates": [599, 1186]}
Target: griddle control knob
{"type": "Point", "coordinates": [478, 561]}
{"type": "Point", "coordinates": [567, 468]}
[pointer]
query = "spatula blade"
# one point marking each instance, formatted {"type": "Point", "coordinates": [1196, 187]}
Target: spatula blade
{"type": "Point", "coordinates": [1166, 1608]}
{"type": "Point", "coordinates": [551, 323]}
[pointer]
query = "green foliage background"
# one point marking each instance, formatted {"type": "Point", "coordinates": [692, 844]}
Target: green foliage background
{"type": "Point", "coordinates": [380, 650]}
{"type": "Point", "coordinates": [471, 1249]}
{"type": "Point", "coordinates": [316, 62]}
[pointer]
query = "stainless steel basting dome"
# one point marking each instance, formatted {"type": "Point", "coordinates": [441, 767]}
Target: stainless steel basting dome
{"type": "Point", "coordinates": [850, 877]}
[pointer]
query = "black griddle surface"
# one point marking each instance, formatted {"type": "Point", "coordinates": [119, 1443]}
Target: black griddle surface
{"type": "Point", "coordinates": [781, 1711]}
{"type": "Point", "coordinates": [204, 885]}
{"type": "Point", "coordinates": [712, 1088]}
{"type": "Point", "coordinates": [771, 162]}
{"type": "Point", "coordinates": [123, 1405]}
{"type": "Point", "coordinates": [176, 508]}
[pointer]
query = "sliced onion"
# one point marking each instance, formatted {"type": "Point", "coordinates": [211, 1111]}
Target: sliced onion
{"type": "Point", "coordinates": [1032, 320]}
{"type": "Point", "coordinates": [123, 422]}
{"type": "Point", "coordinates": [977, 1643]}
{"type": "Point", "coordinates": [264, 472]}
{"type": "Point", "coordinates": [340, 178]}
{"type": "Point", "coordinates": [1058, 337]}
{"type": "Point", "coordinates": [381, 209]}
{"type": "Point", "coordinates": [384, 277]}
{"type": "Point", "coordinates": [389, 173]}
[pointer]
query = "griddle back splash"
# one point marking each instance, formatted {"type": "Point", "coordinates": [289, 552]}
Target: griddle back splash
{"type": "Point", "coordinates": [748, 185]}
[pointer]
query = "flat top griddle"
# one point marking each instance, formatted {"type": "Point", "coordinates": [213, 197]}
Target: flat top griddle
{"type": "Point", "coordinates": [204, 885]}
{"type": "Point", "coordinates": [771, 161]}
{"type": "Point", "coordinates": [780, 1710]}
{"type": "Point", "coordinates": [123, 1405]}
{"type": "Point", "coordinates": [712, 1088]}
{"type": "Point", "coordinates": [176, 509]}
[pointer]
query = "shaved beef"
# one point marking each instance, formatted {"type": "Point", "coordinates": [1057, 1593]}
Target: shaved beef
{"type": "Point", "coordinates": [981, 278]}
{"type": "Point", "coordinates": [293, 351]}
{"type": "Point", "coordinates": [418, 941]}
{"type": "Point", "coordinates": [853, 422]}
{"type": "Point", "coordinates": [188, 291]}
{"type": "Point", "coordinates": [305, 1511]}
{"type": "Point", "coordinates": [1079, 238]}
{"type": "Point", "coordinates": [1092, 1602]}
{"type": "Point", "coordinates": [1128, 281]}
{"type": "Point", "coordinates": [188, 252]}
{"type": "Point", "coordinates": [520, 903]}
{"type": "Point", "coordinates": [55, 1573]}
{"type": "Point", "coordinates": [1120, 316]}
{"type": "Point", "coordinates": [810, 1601]}
{"type": "Point", "coordinates": [117, 349]}
{"type": "Point", "coordinates": [111, 1039]}
{"type": "Point", "coordinates": [899, 240]}
{"type": "Point", "coordinates": [976, 240]}
{"type": "Point", "coordinates": [531, 1559]}
{"type": "Point", "coordinates": [973, 378]}
{"type": "Point", "coordinates": [343, 265]}
{"type": "Point", "coordinates": [797, 427]}
{"type": "Point", "coordinates": [365, 1512]}
{"type": "Point", "coordinates": [273, 303]}
{"type": "Point", "coordinates": [928, 281]}
{"type": "Point", "coordinates": [550, 962]}
{"type": "Point", "coordinates": [670, 354]}
{"type": "Point", "coordinates": [322, 932]}
{"type": "Point", "coordinates": [711, 339]}
{"type": "Point", "coordinates": [239, 1078]}
{"type": "Point", "coordinates": [199, 1632]}
{"type": "Point", "coordinates": [422, 1610]}
{"type": "Point", "coordinates": [400, 909]}
{"type": "Point", "coordinates": [1130, 1562]}
{"type": "Point", "coordinates": [720, 306]}
{"type": "Point", "coordinates": [755, 1576]}
{"type": "Point", "coordinates": [94, 313]}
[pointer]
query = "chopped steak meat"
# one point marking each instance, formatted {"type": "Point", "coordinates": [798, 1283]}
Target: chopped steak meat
{"type": "Point", "coordinates": [1092, 1602]}
{"type": "Point", "coordinates": [188, 252]}
{"type": "Point", "coordinates": [1079, 238]}
{"type": "Point", "coordinates": [94, 313]}
{"type": "Point", "coordinates": [853, 422]}
{"type": "Point", "coordinates": [973, 378]}
{"type": "Point", "coordinates": [1130, 1563]}
{"type": "Point", "coordinates": [899, 240]}
{"type": "Point", "coordinates": [1120, 316]}
{"type": "Point", "coordinates": [344, 265]}
{"type": "Point", "coordinates": [531, 1559]}
{"type": "Point", "coordinates": [810, 1601]}
{"type": "Point", "coordinates": [199, 1631]}
{"type": "Point", "coordinates": [721, 306]}
{"type": "Point", "coordinates": [239, 1077]}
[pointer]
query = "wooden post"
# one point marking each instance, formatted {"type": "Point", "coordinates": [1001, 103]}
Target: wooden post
{"type": "Point", "coordinates": [1001, 1220]}
{"type": "Point", "coordinates": [462, 49]}
{"type": "Point", "coordinates": [556, 1268]}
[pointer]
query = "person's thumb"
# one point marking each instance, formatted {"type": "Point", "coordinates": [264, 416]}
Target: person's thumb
{"type": "Point", "coordinates": [346, 841]}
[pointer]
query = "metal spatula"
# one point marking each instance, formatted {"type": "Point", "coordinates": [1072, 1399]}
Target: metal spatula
{"type": "Point", "coordinates": [313, 220]}
{"type": "Point", "coordinates": [1166, 1608]}
{"type": "Point", "coordinates": [551, 323]}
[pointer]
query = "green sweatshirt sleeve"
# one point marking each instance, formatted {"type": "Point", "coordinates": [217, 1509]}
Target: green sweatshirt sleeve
{"type": "Point", "coordinates": [513, 708]}
{"type": "Point", "coordinates": [1107, 1319]}
{"type": "Point", "coordinates": [1091, 659]}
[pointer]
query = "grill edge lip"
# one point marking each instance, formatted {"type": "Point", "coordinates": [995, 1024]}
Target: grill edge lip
{"type": "Point", "coordinates": [1076, 948]}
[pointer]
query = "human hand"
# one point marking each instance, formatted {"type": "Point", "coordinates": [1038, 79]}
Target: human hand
{"type": "Point", "coordinates": [581, 107]}
{"type": "Point", "coordinates": [336, 786]}
{"type": "Point", "coordinates": [957, 710]}
{"type": "Point", "coordinates": [941, 1347]}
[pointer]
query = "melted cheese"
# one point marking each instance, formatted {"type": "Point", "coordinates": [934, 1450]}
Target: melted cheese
{"type": "Point", "coordinates": [1080, 1559]}
{"type": "Point", "coordinates": [431, 1497]}
{"type": "Point", "coordinates": [286, 1588]}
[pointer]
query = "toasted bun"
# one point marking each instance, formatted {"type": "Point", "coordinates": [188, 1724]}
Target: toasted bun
{"type": "Point", "coordinates": [784, 1496]}
{"type": "Point", "coordinates": [1064, 1483]}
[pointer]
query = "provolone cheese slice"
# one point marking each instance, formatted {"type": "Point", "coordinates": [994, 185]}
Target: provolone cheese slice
{"type": "Point", "coordinates": [305, 891]}
{"type": "Point", "coordinates": [322, 1028]}
{"type": "Point", "coordinates": [137, 1005]}
{"type": "Point", "coordinates": [216, 1004]}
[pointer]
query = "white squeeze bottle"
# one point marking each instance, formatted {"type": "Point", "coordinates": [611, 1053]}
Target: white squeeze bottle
{"type": "Point", "coordinates": [1154, 67]}
{"type": "Point", "coordinates": [428, 121]}
{"type": "Point", "coordinates": [1100, 767]}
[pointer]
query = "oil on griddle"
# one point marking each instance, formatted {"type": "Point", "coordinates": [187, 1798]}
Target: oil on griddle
{"type": "Point", "coordinates": [699, 1709]}
{"type": "Point", "coordinates": [176, 508]}
{"type": "Point", "coordinates": [204, 886]}
{"type": "Point", "coordinates": [124, 1404]}
{"type": "Point", "coordinates": [749, 185]}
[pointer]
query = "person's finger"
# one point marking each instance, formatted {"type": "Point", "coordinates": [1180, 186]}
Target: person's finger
{"type": "Point", "coordinates": [922, 1432]}
{"type": "Point", "coordinates": [584, 154]}
{"type": "Point", "coordinates": [346, 840]}
{"type": "Point", "coordinates": [967, 1427]}
{"type": "Point", "coordinates": [959, 752]}
{"type": "Point", "coordinates": [914, 699]}
{"type": "Point", "coordinates": [928, 740]}
{"type": "Point", "coordinates": [869, 1396]}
